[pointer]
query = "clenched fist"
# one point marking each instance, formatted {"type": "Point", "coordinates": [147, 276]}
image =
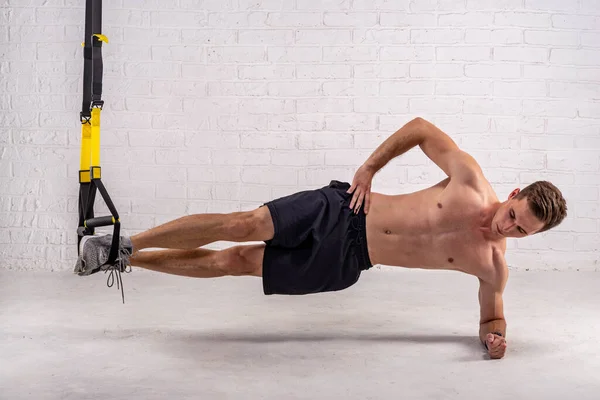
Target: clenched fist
{"type": "Point", "coordinates": [496, 345]}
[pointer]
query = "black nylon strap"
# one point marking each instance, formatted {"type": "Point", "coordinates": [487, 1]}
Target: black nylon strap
{"type": "Point", "coordinates": [92, 56]}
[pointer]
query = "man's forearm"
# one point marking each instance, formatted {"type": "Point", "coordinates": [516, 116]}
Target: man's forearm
{"type": "Point", "coordinates": [496, 325]}
{"type": "Point", "coordinates": [404, 139]}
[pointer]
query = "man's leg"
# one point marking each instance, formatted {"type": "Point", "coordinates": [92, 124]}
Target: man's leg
{"type": "Point", "coordinates": [197, 230]}
{"type": "Point", "coordinates": [185, 233]}
{"type": "Point", "coordinates": [203, 263]}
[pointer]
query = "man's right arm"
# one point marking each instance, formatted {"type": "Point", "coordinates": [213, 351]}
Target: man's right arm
{"type": "Point", "coordinates": [436, 145]}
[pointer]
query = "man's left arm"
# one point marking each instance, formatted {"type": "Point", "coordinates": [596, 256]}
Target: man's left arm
{"type": "Point", "coordinates": [492, 325]}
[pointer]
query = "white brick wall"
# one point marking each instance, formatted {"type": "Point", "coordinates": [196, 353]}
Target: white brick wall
{"type": "Point", "coordinates": [221, 105]}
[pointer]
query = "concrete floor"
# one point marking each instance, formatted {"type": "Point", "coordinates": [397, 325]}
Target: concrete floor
{"type": "Point", "coordinates": [406, 334]}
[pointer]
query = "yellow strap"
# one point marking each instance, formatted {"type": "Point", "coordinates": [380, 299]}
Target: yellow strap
{"type": "Point", "coordinates": [95, 138]}
{"type": "Point", "coordinates": [86, 143]}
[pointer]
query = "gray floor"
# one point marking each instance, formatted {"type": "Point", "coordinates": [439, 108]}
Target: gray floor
{"type": "Point", "coordinates": [395, 334]}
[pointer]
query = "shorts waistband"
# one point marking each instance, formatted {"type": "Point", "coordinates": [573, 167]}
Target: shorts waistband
{"type": "Point", "coordinates": [359, 224]}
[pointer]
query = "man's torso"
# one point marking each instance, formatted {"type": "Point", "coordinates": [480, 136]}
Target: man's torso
{"type": "Point", "coordinates": [435, 228]}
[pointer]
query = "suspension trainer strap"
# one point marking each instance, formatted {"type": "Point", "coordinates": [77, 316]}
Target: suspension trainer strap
{"type": "Point", "coordinates": [90, 173]}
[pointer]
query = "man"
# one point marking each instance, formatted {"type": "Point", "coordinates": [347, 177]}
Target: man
{"type": "Point", "coordinates": [321, 240]}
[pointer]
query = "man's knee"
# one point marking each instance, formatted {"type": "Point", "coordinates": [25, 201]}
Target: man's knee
{"type": "Point", "coordinates": [255, 225]}
{"type": "Point", "coordinates": [241, 260]}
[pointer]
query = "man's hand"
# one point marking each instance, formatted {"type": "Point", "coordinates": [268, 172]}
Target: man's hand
{"type": "Point", "coordinates": [361, 187]}
{"type": "Point", "coordinates": [496, 345]}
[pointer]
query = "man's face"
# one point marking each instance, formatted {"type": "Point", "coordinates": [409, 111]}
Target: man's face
{"type": "Point", "coordinates": [514, 219]}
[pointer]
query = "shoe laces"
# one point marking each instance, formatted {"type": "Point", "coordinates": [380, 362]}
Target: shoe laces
{"type": "Point", "coordinates": [114, 270]}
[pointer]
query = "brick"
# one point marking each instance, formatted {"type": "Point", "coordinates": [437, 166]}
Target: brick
{"type": "Point", "coordinates": [379, 4]}
{"type": "Point", "coordinates": [492, 107]}
{"type": "Point", "coordinates": [268, 176]}
{"type": "Point", "coordinates": [522, 19]}
{"type": "Point", "coordinates": [324, 105]}
{"type": "Point", "coordinates": [266, 36]}
{"type": "Point", "coordinates": [264, 72]}
{"type": "Point", "coordinates": [436, 106]}
{"type": "Point", "coordinates": [468, 19]}
{"type": "Point", "coordinates": [235, 54]}
{"type": "Point", "coordinates": [519, 89]}
{"type": "Point", "coordinates": [167, 121]}
{"type": "Point", "coordinates": [486, 5]}
{"type": "Point", "coordinates": [201, 71]}
{"type": "Point", "coordinates": [435, 36]}
{"type": "Point", "coordinates": [294, 88]}
{"type": "Point", "coordinates": [400, 19]}
{"type": "Point", "coordinates": [323, 36]}
{"type": "Point", "coordinates": [407, 53]}
{"type": "Point", "coordinates": [575, 57]}
{"type": "Point", "coordinates": [380, 70]}
{"type": "Point", "coordinates": [351, 88]}
{"type": "Point", "coordinates": [211, 106]}
{"type": "Point", "coordinates": [300, 122]}
{"type": "Point", "coordinates": [325, 140]}
{"type": "Point", "coordinates": [167, 19]}
{"type": "Point", "coordinates": [297, 54]}
{"type": "Point", "coordinates": [214, 174]}
{"type": "Point", "coordinates": [574, 90]}
{"type": "Point", "coordinates": [242, 122]}
{"type": "Point", "coordinates": [323, 4]}
{"type": "Point", "coordinates": [265, 5]}
{"type": "Point", "coordinates": [380, 105]}
{"type": "Point", "coordinates": [295, 19]}
{"type": "Point", "coordinates": [564, 161]}
{"type": "Point", "coordinates": [350, 19]}
{"type": "Point", "coordinates": [560, 73]}
{"type": "Point", "coordinates": [437, 70]}
{"type": "Point", "coordinates": [297, 158]}
{"type": "Point", "coordinates": [578, 22]}
{"type": "Point", "coordinates": [223, 88]}
{"type": "Point", "coordinates": [210, 36]}
{"type": "Point", "coordinates": [455, 53]}
{"type": "Point", "coordinates": [350, 122]}
{"type": "Point", "coordinates": [590, 39]}
{"type": "Point", "coordinates": [589, 110]}
{"type": "Point", "coordinates": [552, 38]}
{"type": "Point", "coordinates": [349, 53]}
{"type": "Point", "coordinates": [211, 5]}
{"type": "Point", "coordinates": [381, 36]}
{"type": "Point", "coordinates": [493, 71]}
{"type": "Point", "coordinates": [549, 108]}
{"type": "Point", "coordinates": [242, 157]}
{"type": "Point", "coordinates": [591, 6]}
{"type": "Point", "coordinates": [466, 88]}
{"type": "Point", "coordinates": [563, 126]}
{"type": "Point", "coordinates": [494, 36]}
{"type": "Point", "coordinates": [230, 20]}
{"type": "Point", "coordinates": [521, 54]}
{"type": "Point", "coordinates": [273, 141]}
{"type": "Point", "coordinates": [547, 142]}
{"type": "Point", "coordinates": [267, 106]}
{"type": "Point", "coordinates": [408, 88]}
{"type": "Point", "coordinates": [323, 71]}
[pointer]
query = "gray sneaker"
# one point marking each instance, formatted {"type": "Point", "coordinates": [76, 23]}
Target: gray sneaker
{"type": "Point", "coordinates": [93, 257]}
{"type": "Point", "coordinates": [94, 251]}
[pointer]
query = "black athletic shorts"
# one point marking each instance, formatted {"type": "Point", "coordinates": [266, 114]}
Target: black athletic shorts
{"type": "Point", "coordinates": [319, 244]}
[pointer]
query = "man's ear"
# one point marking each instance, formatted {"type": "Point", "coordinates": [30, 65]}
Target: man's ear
{"type": "Point", "coordinates": [514, 193]}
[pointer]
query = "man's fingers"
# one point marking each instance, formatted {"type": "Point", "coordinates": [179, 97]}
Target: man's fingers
{"type": "Point", "coordinates": [367, 201]}
{"type": "Point", "coordinates": [354, 199]}
{"type": "Point", "coordinates": [359, 202]}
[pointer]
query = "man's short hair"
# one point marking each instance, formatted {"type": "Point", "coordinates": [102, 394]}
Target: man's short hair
{"type": "Point", "coordinates": [546, 202]}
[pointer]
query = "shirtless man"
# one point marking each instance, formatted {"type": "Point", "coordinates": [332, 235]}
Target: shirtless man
{"type": "Point", "coordinates": [321, 240]}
